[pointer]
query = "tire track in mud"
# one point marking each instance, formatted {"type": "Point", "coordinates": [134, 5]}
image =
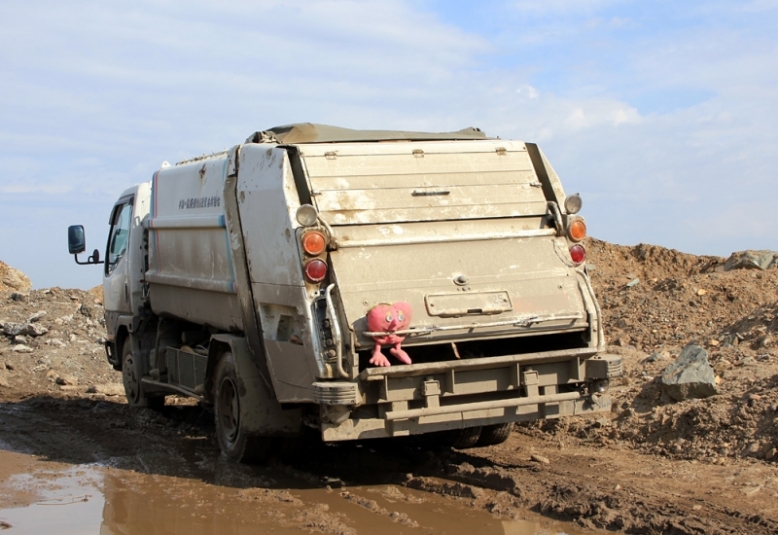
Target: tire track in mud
{"type": "Point", "coordinates": [600, 491]}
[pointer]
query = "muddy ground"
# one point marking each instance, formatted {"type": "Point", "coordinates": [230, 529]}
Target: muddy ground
{"type": "Point", "coordinates": [651, 466]}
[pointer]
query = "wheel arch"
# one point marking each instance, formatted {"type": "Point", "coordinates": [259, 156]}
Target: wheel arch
{"type": "Point", "coordinates": [261, 412]}
{"type": "Point", "coordinates": [121, 336]}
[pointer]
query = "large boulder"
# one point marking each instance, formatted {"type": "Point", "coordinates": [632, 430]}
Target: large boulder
{"type": "Point", "coordinates": [24, 329]}
{"type": "Point", "coordinates": [690, 376]}
{"type": "Point", "coordinates": [751, 260]}
{"type": "Point", "coordinates": [13, 279]}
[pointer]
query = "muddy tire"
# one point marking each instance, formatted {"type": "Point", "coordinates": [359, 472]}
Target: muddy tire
{"type": "Point", "coordinates": [466, 438]}
{"type": "Point", "coordinates": [133, 389]}
{"type": "Point", "coordinates": [230, 433]}
{"type": "Point", "coordinates": [495, 434]}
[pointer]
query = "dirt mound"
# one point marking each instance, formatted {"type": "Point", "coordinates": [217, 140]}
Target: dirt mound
{"type": "Point", "coordinates": [11, 279]}
{"type": "Point", "coordinates": [654, 298]}
{"type": "Point", "coordinates": [51, 341]}
{"type": "Point", "coordinates": [655, 301]}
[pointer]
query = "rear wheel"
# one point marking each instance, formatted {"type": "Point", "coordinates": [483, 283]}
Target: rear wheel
{"type": "Point", "coordinates": [495, 434]}
{"type": "Point", "coordinates": [466, 438]}
{"type": "Point", "coordinates": [230, 430]}
{"type": "Point", "coordinates": [133, 388]}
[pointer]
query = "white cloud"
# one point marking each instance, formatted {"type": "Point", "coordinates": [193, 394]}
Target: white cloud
{"type": "Point", "coordinates": [565, 7]}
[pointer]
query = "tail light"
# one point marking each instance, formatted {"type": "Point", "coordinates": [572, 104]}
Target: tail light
{"type": "Point", "coordinates": [577, 230]}
{"type": "Point", "coordinates": [578, 254]}
{"type": "Point", "coordinates": [314, 242]}
{"type": "Point", "coordinates": [315, 270]}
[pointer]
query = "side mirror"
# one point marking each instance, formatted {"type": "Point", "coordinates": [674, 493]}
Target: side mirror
{"type": "Point", "coordinates": [77, 244]}
{"type": "Point", "coordinates": [76, 239]}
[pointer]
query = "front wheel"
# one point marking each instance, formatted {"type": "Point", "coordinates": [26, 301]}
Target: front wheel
{"type": "Point", "coordinates": [230, 428]}
{"type": "Point", "coordinates": [133, 388]}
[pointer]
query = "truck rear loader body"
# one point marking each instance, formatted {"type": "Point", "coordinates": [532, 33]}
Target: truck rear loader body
{"type": "Point", "coordinates": [245, 279]}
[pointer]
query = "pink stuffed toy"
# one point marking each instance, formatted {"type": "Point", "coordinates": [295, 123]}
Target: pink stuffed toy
{"type": "Point", "coordinates": [390, 318]}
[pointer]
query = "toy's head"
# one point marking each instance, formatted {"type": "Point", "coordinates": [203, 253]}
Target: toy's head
{"type": "Point", "coordinates": [389, 317]}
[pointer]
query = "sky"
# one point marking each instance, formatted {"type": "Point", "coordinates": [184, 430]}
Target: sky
{"type": "Point", "coordinates": [662, 114]}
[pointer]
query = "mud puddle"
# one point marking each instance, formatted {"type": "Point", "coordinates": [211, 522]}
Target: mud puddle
{"type": "Point", "coordinates": [38, 496]}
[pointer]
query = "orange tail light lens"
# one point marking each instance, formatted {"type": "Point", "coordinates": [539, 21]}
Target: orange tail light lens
{"type": "Point", "coordinates": [315, 270]}
{"type": "Point", "coordinates": [578, 254]}
{"type": "Point", "coordinates": [577, 230]}
{"type": "Point", "coordinates": [314, 243]}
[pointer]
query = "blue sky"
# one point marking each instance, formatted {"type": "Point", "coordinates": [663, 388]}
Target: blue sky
{"type": "Point", "coordinates": [661, 114]}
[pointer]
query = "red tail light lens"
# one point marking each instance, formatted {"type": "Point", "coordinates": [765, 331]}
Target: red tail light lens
{"type": "Point", "coordinates": [578, 254]}
{"type": "Point", "coordinates": [315, 270]}
{"type": "Point", "coordinates": [314, 243]}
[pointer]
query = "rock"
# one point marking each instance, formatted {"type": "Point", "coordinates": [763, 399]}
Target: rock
{"type": "Point", "coordinates": [656, 356]}
{"type": "Point", "coordinates": [67, 380]}
{"type": "Point", "coordinates": [21, 348]}
{"type": "Point", "coordinates": [56, 342]}
{"type": "Point", "coordinates": [35, 329]}
{"type": "Point", "coordinates": [621, 341]}
{"type": "Point", "coordinates": [751, 260]}
{"type": "Point", "coordinates": [690, 376]}
{"type": "Point", "coordinates": [29, 329]}
{"type": "Point", "coordinates": [763, 341]}
{"type": "Point", "coordinates": [623, 323]}
{"type": "Point", "coordinates": [539, 459]}
{"type": "Point", "coordinates": [13, 329]}
{"type": "Point", "coordinates": [109, 389]}
{"type": "Point", "coordinates": [17, 296]}
{"type": "Point", "coordinates": [14, 279]}
{"type": "Point", "coordinates": [748, 361]}
{"type": "Point", "coordinates": [36, 317]}
{"type": "Point", "coordinates": [754, 449]}
{"type": "Point", "coordinates": [633, 282]}
{"type": "Point", "coordinates": [20, 339]}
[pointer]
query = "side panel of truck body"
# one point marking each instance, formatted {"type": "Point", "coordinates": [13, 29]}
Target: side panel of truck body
{"type": "Point", "coordinates": [268, 201]}
{"type": "Point", "coordinates": [191, 270]}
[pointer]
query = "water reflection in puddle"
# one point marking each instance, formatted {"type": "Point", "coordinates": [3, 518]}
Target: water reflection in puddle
{"type": "Point", "coordinates": [69, 503]}
{"type": "Point", "coordinates": [93, 499]}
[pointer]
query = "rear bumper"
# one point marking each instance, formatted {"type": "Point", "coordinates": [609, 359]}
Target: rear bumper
{"type": "Point", "coordinates": [539, 408]}
{"type": "Point", "coordinates": [414, 399]}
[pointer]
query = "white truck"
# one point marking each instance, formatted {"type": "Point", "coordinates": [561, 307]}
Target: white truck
{"type": "Point", "coordinates": [248, 279]}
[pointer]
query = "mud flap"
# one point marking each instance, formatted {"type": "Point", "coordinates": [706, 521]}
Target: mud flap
{"type": "Point", "coordinates": [260, 413]}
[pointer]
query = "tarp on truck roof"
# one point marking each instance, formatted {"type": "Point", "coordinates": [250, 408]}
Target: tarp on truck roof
{"type": "Point", "coordinates": [322, 133]}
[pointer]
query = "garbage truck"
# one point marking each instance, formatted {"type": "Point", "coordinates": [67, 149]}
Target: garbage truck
{"type": "Point", "coordinates": [364, 283]}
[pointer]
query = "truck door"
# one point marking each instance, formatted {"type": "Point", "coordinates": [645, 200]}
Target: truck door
{"type": "Point", "coordinates": [116, 279]}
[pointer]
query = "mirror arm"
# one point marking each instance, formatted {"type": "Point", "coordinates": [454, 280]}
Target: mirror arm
{"type": "Point", "coordinates": [89, 260]}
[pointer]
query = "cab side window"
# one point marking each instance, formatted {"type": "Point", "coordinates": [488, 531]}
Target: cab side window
{"type": "Point", "coordinates": [119, 234]}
